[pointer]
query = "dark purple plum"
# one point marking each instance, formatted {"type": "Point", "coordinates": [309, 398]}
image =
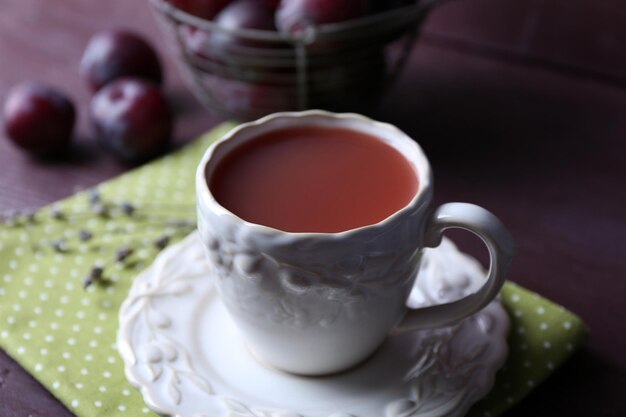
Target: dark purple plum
{"type": "Point", "coordinates": [132, 118]}
{"type": "Point", "coordinates": [243, 14]}
{"type": "Point", "coordinates": [206, 9]}
{"type": "Point", "coordinates": [38, 118]}
{"type": "Point", "coordinates": [114, 54]}
{"type": "Point", "coordinates": [295, 15]}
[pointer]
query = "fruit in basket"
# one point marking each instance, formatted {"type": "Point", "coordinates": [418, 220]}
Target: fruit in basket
{"type": "Point", "coordinates": [38, 118]}
{"type": "Point", "coordinates": [114, 54]}
{"type": "Point", "coordinates": [221, 46]}
{"type": "Point", "coordinates": [294, 16]}
{"type": "Point", "coordinates": [242, 14]}
{"type": "Point", "coordinates": [132, 118]}
{"type": "Point", "coordinates": [206, 9]}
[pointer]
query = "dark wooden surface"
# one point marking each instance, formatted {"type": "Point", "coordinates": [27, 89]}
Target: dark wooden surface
{"type": "Point", "coordinates": [521, 106]}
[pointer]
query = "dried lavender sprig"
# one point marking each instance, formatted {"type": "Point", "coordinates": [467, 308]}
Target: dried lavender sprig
{"type": "Point", "coordinates": [85, 235]}
{"type": "Point", "coordinates": [60, 246]}
{"type": "Point", "coordinates": [56, 213]}
{"type": "Point", "coordinates": [162, 241]}
{"type": "Point", "coordinates": [95, 274]}
{"type": "Point", "coordinates": [123, 253]}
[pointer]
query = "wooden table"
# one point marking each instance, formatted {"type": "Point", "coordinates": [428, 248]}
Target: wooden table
{"type": "Point", "coordinates": [521, 106]}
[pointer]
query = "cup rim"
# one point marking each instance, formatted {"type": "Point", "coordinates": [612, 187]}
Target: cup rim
{"type": "Point", "coordinates": [205, 197]}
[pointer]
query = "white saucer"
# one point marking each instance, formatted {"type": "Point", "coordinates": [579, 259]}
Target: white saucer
{"type": "Point", "coordinates": [182, 351]}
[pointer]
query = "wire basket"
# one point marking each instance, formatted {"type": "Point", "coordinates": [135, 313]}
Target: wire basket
{"type": "Point", "coordinates": [245, 74]}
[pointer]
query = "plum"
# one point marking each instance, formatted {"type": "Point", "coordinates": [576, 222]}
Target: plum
{"type": "Point", "coordinates": [113, 54]}
{"type": "Point", "coordinates": [132, 119]}
{"type": "Point", "coordinates": [293, 16]}
{"type": "Point", "coordinates": [242, 14]}
{"type": "Point", "coordinates": [39, 118]}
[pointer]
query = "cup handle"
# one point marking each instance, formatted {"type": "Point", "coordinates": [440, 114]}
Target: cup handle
{"type": "Point", "coordinates": [501, 250]}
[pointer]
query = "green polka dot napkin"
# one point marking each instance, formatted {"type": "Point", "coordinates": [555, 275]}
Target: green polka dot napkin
{"type": "Point", "coordinates": [64, 335]}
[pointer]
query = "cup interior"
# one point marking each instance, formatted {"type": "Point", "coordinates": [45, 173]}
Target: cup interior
{"type": "Point", "coordinates": [384, 132]}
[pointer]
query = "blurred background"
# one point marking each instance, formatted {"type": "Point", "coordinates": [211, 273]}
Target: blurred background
{"type": "Point", "coordinates": [520, 105]}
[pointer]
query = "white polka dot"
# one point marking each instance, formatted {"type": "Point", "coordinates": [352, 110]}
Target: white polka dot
{"type": "Point", "coordinates": [22, 294]}
{"type": "Point", "coordinates": [58, 312]}
{"type": "Point", "coordinates": [37, 310]}
{"type": "Point", "coordinates": [7, 278]}
{"type": "Point", "coordinates": [26, 336]}
{"type": "Point", "coordinates": [569, 346]}
{"type": "Point", "coordinates": [530, 383]}
{"type": "Point", "coordinates": [20, 350]}
{"type": "Point", "coordinates": [78, 260]}
{"type": "Point", "coordinates": [93, 343]}
{"type": "Point", "coordinates": [80, 314]}
{"type": "Point", "coordinates": [111, 360]}
{"type": "Point", "coordinates": [32, 324]}
{"type": "Point", "coordinates": [48, 283]}
{"type": "Point", "coordinates": [71, 341]}
{"type": "Point", "coordinates": [4, 334]}
{"type": "Point", "coordinates": [518, 313]}
{"type": "Point", "coordinates": [84, 371]}
{"type": "Point", "coordinates": [145, 410]}
{"type": "Point", "coordinates": [550, 365]}
{"type": "Point", "coordinates": [523, 346]}
{"type": "Point", "coordinates": [543, 326]}
{"type": "Point", "coordinates": [19, 251]}
{"type": "Point", "coordinates": [98, 403]}
{"type": "Point", "coordinates": [121, 407]}
{"type": "Point", "coordinates": [48, 338]}
{"type": "Point", "coordinates": [54, 325]}
{"type": "Point", "coordinates": [61, 368]}
{"type": "Point", "coordinates": [66, 355]}
{"type": "Point", "coordinates": [73, 273]}
{"type": "Point", "coordinates": [540, 310]}
{"type": "Point", "coordinates": [13, 264]}
{"type": "Point", "coordinates": [28, 281]}
{"type": "Point", "coordinates": [43, 296]}
{"type": "Point", "coordinates": [38, 367]}
{"type": "Point", "coordinates": [547, 345]}
{"type": "Point", "coordinates": [56, 384]}
{"type": "Point", "coordinates": [75, 403]}
{"type": "Point", "coordinates": [75, 328]}
{"type": "Point", "coordinates": [102, 388]}
{"type": "Point", "coordinates": [89, 357]}
{"type": "Point", "coordinates": [97, 329]}
{"type": "Point", "coordinates": [2, 291]}
{"type": "Point", "coordinates": [567, 325]}
{"type": "Point", "coordinates": [85, 302]}
{"type": "Point", "coordinates": [10, 319]}
{"type": "Point", "coordinates": [64, 299]}
{"type": "Point", "coordinates": [106, 374]}
{"type": "Point", "coordinates": [125, 392]}
{"type": "Point", "coordinates": [521, 330]}
{"type": "Point", "coordinates": [43, 351]}
{"type": "Point", "coordinates": [17, 307]}
{"type": "Point", "coordinates": [102, 316]}
{"type": "Point", "coordinates": [33, 268]}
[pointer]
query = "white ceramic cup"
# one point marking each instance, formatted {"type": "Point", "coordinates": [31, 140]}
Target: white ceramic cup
{"type": "Point", "coordinates": [318, 303]}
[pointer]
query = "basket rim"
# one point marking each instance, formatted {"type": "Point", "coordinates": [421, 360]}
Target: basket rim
{"type": "Point", "coordinates": [397, 18]}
